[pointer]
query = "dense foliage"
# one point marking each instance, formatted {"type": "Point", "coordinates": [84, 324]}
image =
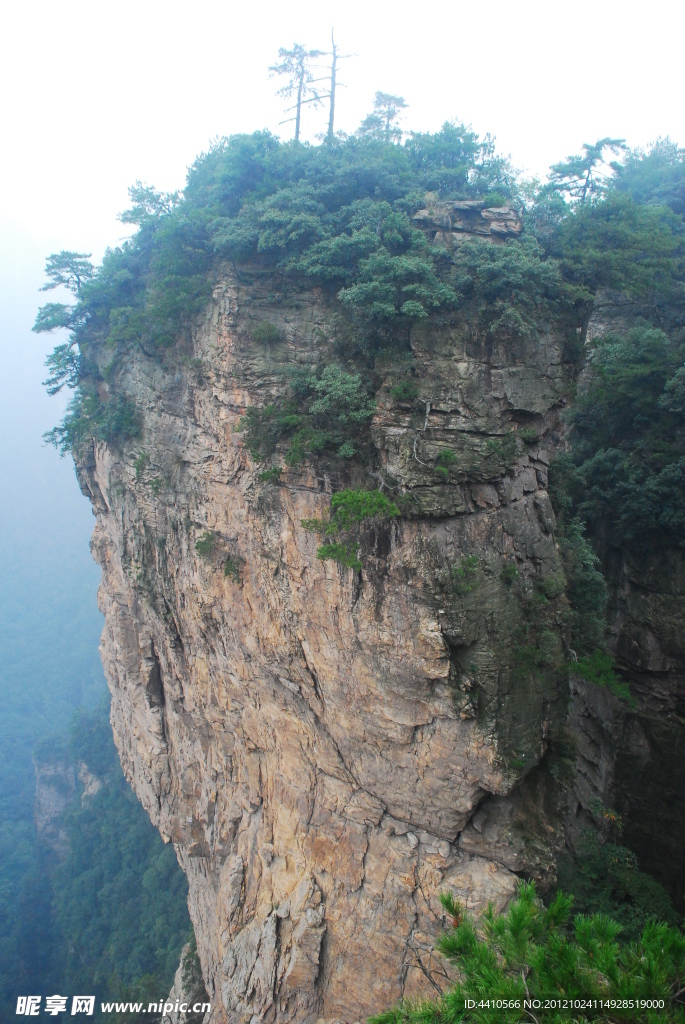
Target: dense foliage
{"type": "Point", "coordinates": [539, 954]}
{"type": "Point", "coordinates": [120, 896]}
{"type": "Point", "coordinates": [627, 465]}
{"type": "Point", "coordinates": [339, 215]}
{"type": "Point", "coordinates": [111, 918]}
{"type": "Point", "coordinates": [349, 510]}
{"type": "Point", "coordinates": [324, 412]}
{"type": "Point", "coordinates": [624, 473]}
{"type": "Point", "coordinates": [606, 879]}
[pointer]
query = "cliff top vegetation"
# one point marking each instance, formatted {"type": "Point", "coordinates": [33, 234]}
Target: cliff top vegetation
{"type": "Point", "coordinates": [340, 215]}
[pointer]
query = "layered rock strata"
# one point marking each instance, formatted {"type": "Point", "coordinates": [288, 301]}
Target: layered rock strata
{"type": "Point", "coordinates": [448, 223]}
{"type": "Point", "coordinates": [329, 749]}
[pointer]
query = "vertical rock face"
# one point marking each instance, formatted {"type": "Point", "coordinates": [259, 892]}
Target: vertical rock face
{"type": "Point", "coordinates": [55, 788]}
{"type": "Point", "coordinates": [188, 996]}
{"type": "Point", "coordinates": [328, 749]}
{"type": "Point", "coordinates": [647, 617]}
{"type": "Point", "coordinates": [630, 757]}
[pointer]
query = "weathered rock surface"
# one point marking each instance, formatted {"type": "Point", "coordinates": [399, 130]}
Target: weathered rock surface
{"type": "Point", "coordinates": [187, 999]}
{"type": "Point", "coordinates": [313, 740]}
{"type": "Point", "coordinates": [55, 788]}
{"type": "Point", "coordinates": [448, 223]}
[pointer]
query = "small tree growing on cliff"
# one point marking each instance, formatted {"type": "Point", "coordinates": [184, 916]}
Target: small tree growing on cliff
{"type": "Point", "coordinates": [68, 269]}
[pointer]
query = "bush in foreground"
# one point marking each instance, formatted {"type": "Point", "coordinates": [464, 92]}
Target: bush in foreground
{"type": "Point", "coordinates": [535, 953]}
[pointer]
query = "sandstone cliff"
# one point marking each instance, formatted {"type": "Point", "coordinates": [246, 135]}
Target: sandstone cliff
{"type": "Point", "coordinates": [328, 749]}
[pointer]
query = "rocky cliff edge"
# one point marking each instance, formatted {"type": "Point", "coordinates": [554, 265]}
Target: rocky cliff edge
{"type": "Point", "coordinates": [329, 749]}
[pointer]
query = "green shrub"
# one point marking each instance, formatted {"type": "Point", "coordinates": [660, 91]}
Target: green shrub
{"type": "Point", "coordinates": [494, 199]}
{"type": "Point", "coordinates": [552, 586]}
{"type": "Point", "coordinates": [89, 418]}
{"type": "Point", "coordinates": [348, 507]}
{"type": "Point", "coordinates": [347, 450]}
{"type": "Point", "coordinates": [319, 413]}
{"type": "Point", "coordinates": [509, 574]}
{"type": "Point", "coordinates": [348, 510]}
{"type": "Point", "coordinates": [233, 568]}
{"type": "Point", "coordinates": [206, 545]}
{"type": "Point", "coordinates": [403, 286]}
{"type": "Point", "coordinates": [465, 576]}
{"type": "Point", "coordinates": [528, 435]}
{"type": "Point", "coordinates": [345, 554]}
{"type": "Point", "coordinates": [511, 288]}
{"type": "Point", "coordinates": [313, 525]}
{"type": "Point", "coordinates": [445, 461]}
{"type": "Point", "coordinates": [501, 449]}
{"type": "Point", "coordinates": [532, 952]}
{"type": "Point", "coordinates": [405, 391]}
{"type": "Point", "coordinates": [266, 334]}
{"type": "Point", "coordinates": [599, 668]}
{"type": "Point", "coordinates": [271, 476]}
{"type": "Point", "coordinates": [605, 878]}
{"type": "Point", "coordinates": [140, 464]}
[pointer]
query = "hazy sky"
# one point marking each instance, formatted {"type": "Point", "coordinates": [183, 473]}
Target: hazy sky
{"type": "Point", "coordinates": [96, 94]}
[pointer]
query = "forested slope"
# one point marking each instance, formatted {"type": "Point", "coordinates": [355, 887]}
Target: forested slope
{"type": "Point", "coordinates": [106, 915]}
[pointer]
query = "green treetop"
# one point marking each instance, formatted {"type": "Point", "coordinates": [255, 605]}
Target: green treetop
{"type": "Point", "coordinates": [68, 269]}
{"type": "Point", "coordinates": [580, 177]}
{"type": "Point", "coordinates": [537, 954]}
{"type": "Point", "coordinates": [381, 124]}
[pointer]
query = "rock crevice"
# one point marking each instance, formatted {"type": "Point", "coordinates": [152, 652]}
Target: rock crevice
{"type": "Point", "coordinates": [329, 749]}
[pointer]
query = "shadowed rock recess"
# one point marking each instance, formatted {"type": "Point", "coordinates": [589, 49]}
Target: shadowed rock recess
{"type": "Point", "coordinates": [329, 748]}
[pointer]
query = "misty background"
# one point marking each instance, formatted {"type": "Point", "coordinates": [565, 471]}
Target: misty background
{"type": "Point", "coordinates": [97, 96]}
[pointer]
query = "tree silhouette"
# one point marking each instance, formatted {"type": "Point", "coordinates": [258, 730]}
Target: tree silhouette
{"type": "Point", "coordinates": [381, 122]}
{"type": "Point", "coordinates": [580, 177]}
{"type": "Point", "coordinates": [70, 269]}
{"type": "Point", "coordinates": [335, 57]}
{"type": "Point", "coordinates": [296, 64]}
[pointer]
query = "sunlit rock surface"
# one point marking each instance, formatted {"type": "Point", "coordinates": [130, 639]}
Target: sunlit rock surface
{"type": "Point", "coordinates": [328, 750]}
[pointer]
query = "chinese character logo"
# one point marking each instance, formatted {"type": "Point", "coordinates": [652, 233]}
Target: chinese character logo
{"type": "Point", "coordinates": [55, 1005]}
{"type": "Point", "coordinates": [28, 1006]}
{"type": "Point", "coordinates": [83, 1004]}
